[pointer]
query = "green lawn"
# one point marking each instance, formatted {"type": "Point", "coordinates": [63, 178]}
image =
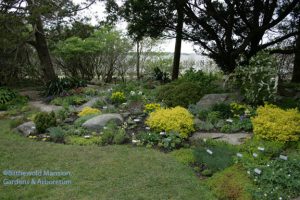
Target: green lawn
{"type": "Point", "coordinates": [112, 172]}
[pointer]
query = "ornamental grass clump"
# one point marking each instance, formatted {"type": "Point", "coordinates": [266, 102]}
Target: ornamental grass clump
{"type": "Point", "coordinates": [273, 123]}
{"type": "Point", "coordinates": [176, 119]}
{"type": "Point", "coordinates": [88, 111]}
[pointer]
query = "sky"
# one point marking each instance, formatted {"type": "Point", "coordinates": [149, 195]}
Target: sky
{"type": "Point", "coordinates": [97, 13]}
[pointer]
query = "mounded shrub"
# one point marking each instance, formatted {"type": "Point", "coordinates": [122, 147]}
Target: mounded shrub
{"type": "Point", "coordinates": [44, 120]}
{"type": "Point", "coordinates": [273, 123]}
{"type": "Point", "coordinates": [176, 119]}
{"type": "Point", "coordinates": [180, 94]}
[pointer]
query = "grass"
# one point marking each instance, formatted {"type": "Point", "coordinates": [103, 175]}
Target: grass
{"type": "Point", "coordinates": [111, 172]}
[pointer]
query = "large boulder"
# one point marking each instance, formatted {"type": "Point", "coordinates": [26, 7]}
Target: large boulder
{"type": "Point", "coordinates": [98, 122]}
{"type": "Point", "coordinates": [209, 100]}
{"type": "Point", "coordinates": [27, 129]}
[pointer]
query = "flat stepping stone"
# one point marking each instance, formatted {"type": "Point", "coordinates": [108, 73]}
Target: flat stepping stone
{"type": "Point", "coordinates": [44, 107]}
{"type": "Point", "coordinates": [231, 138]}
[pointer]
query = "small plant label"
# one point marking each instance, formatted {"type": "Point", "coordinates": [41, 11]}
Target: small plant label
{"type": "Point", "coordinates": [257, 171]}
{"type": "Point", "coordinates": [87, 136]}
{"type": "Point", "coordinates": [162, 133]}
{"type": "Point", "coordinates": [282, 157]}
{"type": "Point", "coordinates": [147, 128]}
{"type": "Point", "coordinates": [255, 155]}
{"type": "Point", "coordinates": [104, 107]}
{"type": "Point", "coordinates": [209, 151]}
{"type": "Point", "coordinates": [136, 120]}
{"type": "Point", "coordinates": [261, 148]}
{"type": "Point", "coordinates": [239, 155]}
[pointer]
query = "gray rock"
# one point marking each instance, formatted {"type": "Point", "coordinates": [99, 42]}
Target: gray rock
{"type": "Point", "coordinates": [233, 138]}
{"type": "Point", "coordinates": [209, 100]}
{"type": "Point", "coordinates": [69, 120]}
{"type": "Point", "coordinates": [125, 114]}
{"type": "Point", "coordinates": [98, 122]}
{"type": "Point", "coordinates": [26, 129]}
{"type": "Point", "coordinates": [90, 103]}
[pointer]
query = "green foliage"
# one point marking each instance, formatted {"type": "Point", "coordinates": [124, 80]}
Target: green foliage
{"type": "Point", "coordinates": [120, 137]}
{"type": "Point", "coordinates": [56, 134]}
{"type": "Point", "coordinates": [213, 117]}
{"type": "Point", "coordinates": [232, 183]}
{"type": "Point", "coordinates": [272, 149]}
{"type": "Point", "coordinates": [90, 91]}
{"type": "Point", "coordinates": [171, 141]}
{"type": "Point", "coordinates": [287, 103]}
{"type": "Point", "coordinates": [273, 123]}
{"type": "Point", "coordinates": [44, 120]}
{"type": "Point", "coordinates": [221, 157]}
{"type": "Point", "coordinates": [99, 53]}
{"type": "Point", "coordinates": [10, 100]}
{"type": "Point", "coordinates": [204, 80]}
{"type": "Point", "coordinates": [61, 86]}
{"type": "Point", "coordinates": [69, 100]}
{"type": "Point", "coordinates": [63, 114]}
{"type": "Point", "coordinates": [185, 156]}
{"type": "Point", "coordinates": [113, 134]}
{"type": "Point", "coordinates": [258, 80]}
{"type": "Point", "coordinates": [237, 125]}
{"type": "Point", "coordinates": [75, 130]}
{"type": "Point", "coordinates": [79, 140]}
{"type": "Point", "coordinates": [223, 109]}
{"type": "Point", "coordinates": [166, 141]}
{"type": "Point", "coordinates": [161, 76]}
{"type": "Point", "coordinates": [187, 90]}
{"type": "Point", "coordinates": [149, 138]}
{"type": "Point", "coordinates": [179, 94]}
{"type": "Point", "coordinates": [6, 95]}
{"type": "Point", "coordinates": [279, 179]}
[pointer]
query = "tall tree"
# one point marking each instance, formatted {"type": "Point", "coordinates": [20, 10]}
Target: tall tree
{"type": "Point", "coordinates": [37, 13]}
{"type": "Point", "coordinates": [231, 30]}
{"type": "Point", "coordinates": [152, 18]}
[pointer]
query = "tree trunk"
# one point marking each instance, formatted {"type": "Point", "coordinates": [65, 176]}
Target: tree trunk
{"type": "Point", "coordinates": [296, 71]}
{"type": "Point", "coordinates": [43, 51]}
{"type": "Point", "coordinates": [177, 53]}
{"type": "Point", "coordinates": [138, 60]}
{"type": "Point", "coordinates": [41, 45]}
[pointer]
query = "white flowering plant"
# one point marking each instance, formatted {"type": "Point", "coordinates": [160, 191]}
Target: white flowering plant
{"type": "Point", "coordinates": [258, 80]}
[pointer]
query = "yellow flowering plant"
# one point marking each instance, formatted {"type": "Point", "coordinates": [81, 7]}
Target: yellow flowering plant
{"type": "Point", "coordinates": [176, 119]}
{"type": "Point", "coordinates": [151, 107]}
{"type": "Point", "coordinates": [273, 123]}
{"type": "Point", "coordinates": [88, 111]}
{"type": "Point", "coordinates": [118, 97]}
